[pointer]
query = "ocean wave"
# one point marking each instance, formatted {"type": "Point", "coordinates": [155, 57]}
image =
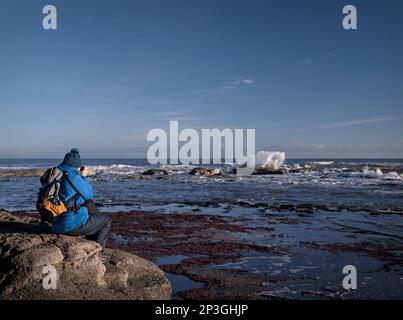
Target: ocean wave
{"type": "Point", "coordinates": [16, 167]}
{"type": "Point", "coordinates": [267, 160]}
{"type": "Point", "coordinates": [114, 169]}
{"type": "Point", "coordinates": [323, 163]}
{"type": "Point", "coordinates": [178, 168]}
{"type": "Point", "coordinates": [392, 176]}
{"type": "Point", "coordinates": [126, 170]}
{"type": "Point", "coordinates": [377, 173]}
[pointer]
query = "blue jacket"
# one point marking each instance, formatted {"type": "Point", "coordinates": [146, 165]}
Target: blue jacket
{"type": "Point", "coordinates": [72, 220]}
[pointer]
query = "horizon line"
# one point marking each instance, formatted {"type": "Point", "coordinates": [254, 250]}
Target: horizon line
{"type": "Point", "coordinates": [291, 158]}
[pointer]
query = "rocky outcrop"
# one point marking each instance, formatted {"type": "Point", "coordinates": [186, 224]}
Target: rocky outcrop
{"type": "Point", "coordinates": [30, 255]}
{"type": "Point", "coordinates": [205, 172]}
{"type": "Point", "coordinates": [22, 173]}
{"type": "Point", "coordinates": [267, 172]}
{"type": "Point", "coordinates": [151, 172]}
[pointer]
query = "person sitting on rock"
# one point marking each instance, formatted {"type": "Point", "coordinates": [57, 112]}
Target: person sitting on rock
{"type": "Point", "coordinates": [77, 192]}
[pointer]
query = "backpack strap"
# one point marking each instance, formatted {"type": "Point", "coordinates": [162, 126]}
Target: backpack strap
{"type": "Point", "coordinates": [75, 207]}
{"type": "Point", "coordinates": [66, 175]}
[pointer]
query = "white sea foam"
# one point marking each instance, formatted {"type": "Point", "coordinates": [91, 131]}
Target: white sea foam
{"type": "Point", "coordinates": [125, 169]}
{"type": "Point", "coordinates": [392, 176]}
{"type": "Point", "coordinates": [323, 163]}
{"type": "Point", "coordinates": [372, 174]}
{"type": "Point", "coordinates": [18, 168]}
{"type": "Point", "coordinates": [267, 160]}
{"type": "Point", "coordinates": [115, 169]}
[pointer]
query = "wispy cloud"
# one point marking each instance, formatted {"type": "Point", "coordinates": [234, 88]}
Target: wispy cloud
{"type": "Point", "coordinates": [237, 83]}
{"type": "Point", "coordinates": [167, 114]}
{"type": "Point", "coordinates": [175, 115]}
{"type": "Point", "coordinates": [348, 123]}
{"type": "Point", "coordinates": [248, 81]}
{"type": "Point", "coordinates": [229, 87]}
{"type": "Point", "coordinates": [171, 102]}
{"type": "Point", "coordinates": [303, 145]}
{"type": "Point", "coordinates": [357, 122]}
{"type": "Point", "coordinates": [325, 56]}
{"type": "Point", "coordinates": [305, 61]}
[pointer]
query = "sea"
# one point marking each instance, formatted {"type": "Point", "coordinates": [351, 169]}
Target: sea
{"type": "Point", "coordinates": [369, 185]}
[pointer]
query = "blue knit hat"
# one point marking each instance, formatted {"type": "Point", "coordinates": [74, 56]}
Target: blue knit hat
{"type": "Point", "coordinates": [72, 159]}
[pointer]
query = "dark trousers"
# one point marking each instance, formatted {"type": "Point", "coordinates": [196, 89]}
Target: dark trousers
{"type": "Point", "coordinates": [96, 229]}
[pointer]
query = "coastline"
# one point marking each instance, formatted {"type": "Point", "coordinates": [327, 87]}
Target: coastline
{"type": "Point", "coordinates": [285, 234]}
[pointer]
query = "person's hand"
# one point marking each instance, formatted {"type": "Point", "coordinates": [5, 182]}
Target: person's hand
{"type": "Point", "coordinates": [85, 172]}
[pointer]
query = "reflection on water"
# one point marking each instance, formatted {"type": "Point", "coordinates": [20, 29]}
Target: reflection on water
{"type": "Point", "coordinates": [178, 282]}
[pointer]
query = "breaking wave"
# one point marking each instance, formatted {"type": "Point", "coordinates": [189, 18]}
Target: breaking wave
{"type": "Point", "coordinates": [115, 169]}
{"type": "Point", "coordinates": [267, 160]}
{"type": "Point", "coordinates": [323, 163]}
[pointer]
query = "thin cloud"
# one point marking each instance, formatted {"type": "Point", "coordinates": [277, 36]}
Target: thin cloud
{"type": "Point", "coordinates": [167, 114]}
{"type": "Point", "coordinates": [348, 123]}
{"type": "Point", "coordinates": [248, 81]}
{"type": "Point", "coordinates": [174, 115]}
{"type": "Point", "coordinates": [171, 102]}
{"type": "Point", "coordinates": [303, 145]}
{"type": "Point", "coordinates": [357, 122]}
{"type": "Point", "coordinates": [229, 87]}
{"type": "Point", "coordinates": [326, 56]}
{"type": "Point", "coordinates": [305, 61]}
{"type": "Point", "coordinates": [236, 84]}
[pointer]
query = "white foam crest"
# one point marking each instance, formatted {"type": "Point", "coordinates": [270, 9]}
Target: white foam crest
{"type": "Point", "coordinates": [323, 163]}
{"type": "Point", "coordinates": [268, 160]}
{"type": "Point", "coordinates": [114, 169]}
{"type": "Point", "coordinates": [392, 176]}
{"type": "Point", "coordinates": [372, 174]}
{"type": "Point", "coordinates": [19, 168]}
{"type": "Point", "coordinates": [177, 166]}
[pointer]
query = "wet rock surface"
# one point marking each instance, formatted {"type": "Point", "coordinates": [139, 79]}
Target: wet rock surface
{"type": "Point", "coordinates": [151, 172]}
{"type": "Point", "coordinates": [275, 172]}
{"type": "Point", "coordinates": [22, 173]}
{"type": "Point", "coordinates": [83, 271]}
{"type": "Point", "coordinates": [269, 255]}
{"type": "Point", "coordinates": [205, 172]}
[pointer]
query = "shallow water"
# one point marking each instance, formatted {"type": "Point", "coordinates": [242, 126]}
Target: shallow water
{"type": "Point", "coordinates": [179, 282]}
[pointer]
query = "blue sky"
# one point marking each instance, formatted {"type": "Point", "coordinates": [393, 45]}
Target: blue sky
{"type": "Point", "coordinates": [116, 69]}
